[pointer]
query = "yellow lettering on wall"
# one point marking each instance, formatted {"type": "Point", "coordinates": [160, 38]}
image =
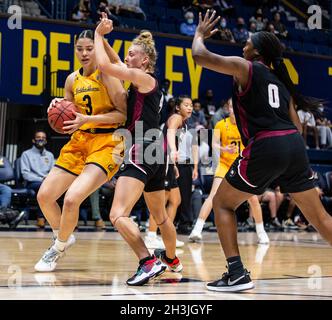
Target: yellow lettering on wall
{"type": "Point", "coordinates": [56, 64]}
{"type": "Point", "coordinates": [30, 62]}
{"type": "Point", "coordinates": [330, 71]}
{"type": "Point", "coordinates": [195, 73]}
{"type": "Point", "coordinates": [169, 73]}
{"type": "Point", "coordinates": [292, 71]}
{"type": "Point", "coordinates": [117, 44]}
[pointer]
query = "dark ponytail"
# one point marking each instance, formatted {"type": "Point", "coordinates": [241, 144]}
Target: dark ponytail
{"type": "Point", "coordinates": [271, 50]}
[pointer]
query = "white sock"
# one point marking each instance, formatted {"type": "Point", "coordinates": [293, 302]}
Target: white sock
{"type": "Point", "coordinates": [199, 225]}
{"type": "Point", "coordinates": [260, 227]}
{"type": "Point", "coordinates": [152, 234]}
{"type": "Point", "coordinates": [55, 233]}
{"type": "Point", "coordinates": [60, 245]}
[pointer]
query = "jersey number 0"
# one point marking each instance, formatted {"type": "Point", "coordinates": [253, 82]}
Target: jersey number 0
{"type": "Point", "coordinates": [274, 96]}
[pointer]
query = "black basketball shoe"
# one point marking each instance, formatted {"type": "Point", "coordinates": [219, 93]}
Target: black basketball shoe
{"type": "Point", "coordinates": [232, 282]}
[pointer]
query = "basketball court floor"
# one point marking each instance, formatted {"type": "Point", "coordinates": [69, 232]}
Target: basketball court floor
{"type": "Point", "coordinates": [295, 266]}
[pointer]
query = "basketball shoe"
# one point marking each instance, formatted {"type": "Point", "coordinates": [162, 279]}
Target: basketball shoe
{"type": "Point", "coordinates": [48, 261]}
{"type": "Point", "coordinates": [232, 282]}
{"type": "Point", "coordinates": [173, 265]}
{"type": "Point", "coordinates": [148, 270]}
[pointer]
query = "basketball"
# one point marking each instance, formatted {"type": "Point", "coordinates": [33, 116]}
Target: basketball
{"type": "Point", "coordinates": [64, 110]}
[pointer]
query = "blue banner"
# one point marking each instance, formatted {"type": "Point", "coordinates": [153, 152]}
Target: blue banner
{"type": "Point", "coordinates": [22, 53]}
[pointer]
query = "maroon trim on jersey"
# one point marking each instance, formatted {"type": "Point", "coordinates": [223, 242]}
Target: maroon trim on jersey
{"type": "Point", "coordinates": [243, 120]}
{"type": "Point", "coordinates": [138, 109]}
{"type": "Point", "coordinates": [241, 94]}
{"type": "Point", "coordinates": [276, 133]}
{"type": "Point", "coordinates": [243, 164]}
{"type": "Point", "coordinates": [152, 91]}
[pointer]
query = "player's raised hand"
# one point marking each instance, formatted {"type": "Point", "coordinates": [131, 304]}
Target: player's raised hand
{"type": "Point", "coordinates": [53, 103]}
{"type": "Point", "coordinates": [105, 26]}
{"type": "Point", "coordinates": [206, 25]}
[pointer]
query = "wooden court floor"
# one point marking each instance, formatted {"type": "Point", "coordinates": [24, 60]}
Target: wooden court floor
{"type": "Point", "coordinates": [294, 266]}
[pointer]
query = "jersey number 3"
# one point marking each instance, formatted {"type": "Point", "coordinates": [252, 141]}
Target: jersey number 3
{"type": "Point", "coordinates": [274, 96]}
{"type": "Point", "coordinates": [88, 106]}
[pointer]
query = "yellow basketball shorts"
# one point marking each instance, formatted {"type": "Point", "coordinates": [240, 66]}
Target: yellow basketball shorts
{"type": "Point", "coordinates": [222, 169]}
{"type": "Point", "coordinates": [104, 150]}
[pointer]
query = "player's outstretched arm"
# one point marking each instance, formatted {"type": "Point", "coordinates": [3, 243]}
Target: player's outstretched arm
{"type": "Point", "coordinates": [233, 66]}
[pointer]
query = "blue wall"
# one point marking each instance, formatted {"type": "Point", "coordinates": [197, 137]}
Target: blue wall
{"type": "Point", "coordinates": [58, 39]}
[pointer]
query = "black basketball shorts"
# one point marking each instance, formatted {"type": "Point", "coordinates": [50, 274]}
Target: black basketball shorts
{"type": "Point", "coordinates": [277, 157]}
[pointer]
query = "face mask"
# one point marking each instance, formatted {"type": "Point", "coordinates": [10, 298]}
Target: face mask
{"type": "Point", "coordinates": [240, 25]}
{"type": "Point", "coordinates": [40, 144]}
{"type": "Point", "coordinates": [223, 24]}
{"type": "Point", "coordinates": [190, 21]}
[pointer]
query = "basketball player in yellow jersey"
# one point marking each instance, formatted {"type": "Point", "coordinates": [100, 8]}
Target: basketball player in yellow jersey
{"type": "Point", "coordinates": [226, 138]}
{"type": "Point", "coordinates": [93, 154]}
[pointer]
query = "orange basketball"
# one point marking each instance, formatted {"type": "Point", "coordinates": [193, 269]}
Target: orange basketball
{"type": "Point", "coordinates": [63, 110]}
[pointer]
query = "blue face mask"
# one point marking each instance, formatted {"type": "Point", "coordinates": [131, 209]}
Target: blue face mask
{"type": "Point", "coordinates": [223, 24]}
{"type": "Point", "coordinates": [190, 21]}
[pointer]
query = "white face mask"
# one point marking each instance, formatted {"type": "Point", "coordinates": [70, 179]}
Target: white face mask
{"type": "Point", "coordinates": [190, 21]}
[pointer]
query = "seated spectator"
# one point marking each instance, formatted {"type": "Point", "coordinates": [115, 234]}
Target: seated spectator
{"type": "Point", "coordinates": [274, 200]}
{"type": "Point", "coordinates": [259, 20]}
{"type": "Point", "coordinates": [127, 8]}
{"type": "Point", "coordinates": [82, 12]}
{"type": "Point", "coordinates": [222, 112]}
{"type": "Point", "coordinates": [197, 117]}
{"type": "Point", "coordinates": [36, 163]}
{"type": "Point", "coordinates": [240, 33]}
{"type": "Point", "coordinates": [308, 122]}
{"type": "Point", "coordinates": [270, 28]}
{"type": "Point", "coordinates": [252, 28]}
{"type": "Point", "coordinates": [226, 7]}
{"type": "Point", "coordinates": [280, 29]}
{"type": "Point", "coordinates": [103, 7]}
{"type": "Point", "coordinates": [188, 27]}
{"type": "Point", "coordinates": [5, 196]}
{"type": "Point", "coordinates": [324, 129]}
{"type": "Point", "coordinates": [208, 103]}
{"type": "Point", "coordinates": [223, 32]}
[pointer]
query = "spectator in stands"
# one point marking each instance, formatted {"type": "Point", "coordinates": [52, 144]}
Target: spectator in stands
{"type": "Point", "coordinates": [308, 122]}
{"type": "Point", "coordinates": [188, 27]}
{"type": "Point", "coordinates": [222, 112]}
{"type": "Point", "coordinates": [240, 33]}
{"type": "Point", "coordinates": [280, 29]}
{"type": "Point", "coordinates": [95, 210]}
{"type": "Point", "coordinates": [36, 163]}
{"type": "Point", "coordinates": [165, 111]}
{"type": "Point", "coordinates": [103, 7]}
{"type": "Point", "coordinates": [5, 196]}
{"type": "Point", "coordinates": [165, 84]}
{"type": "Point", "coordinates": [270, 28]}
{"type": "Point", "coordinates": [252, 28]}
{"type": "Point", "coordinates": [259, 20]}
{"type": "Point", "coordinates": [128, 8]}
{"type": "Point", "coordinates": [197, 117]}
{"type": "Point", "coordinates": [208, 103]}
{"type": "Point", "coordinates": [82, 12]}
{"type": "Point", "coordinates": [223, 33]}
{"type": "Point", "coordinates": [226, 7]}
{"type": "Point", "coordinates": [324, 129]}
{"type": "Point", "coordinates": [274, 199]}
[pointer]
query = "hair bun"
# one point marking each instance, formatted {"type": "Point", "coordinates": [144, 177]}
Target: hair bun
{"type": "Point", "coordinates": [145, 34]}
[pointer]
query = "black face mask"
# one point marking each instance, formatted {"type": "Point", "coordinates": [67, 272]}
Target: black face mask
{"type": "Point", "coordinates": [40, 144]}
{"type": "Point", "coordinates": [240, 25]}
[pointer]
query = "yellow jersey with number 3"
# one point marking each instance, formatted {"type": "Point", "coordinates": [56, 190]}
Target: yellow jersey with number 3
{"type": "Point", "coordinates": [228, 133]}
{"type": "Point", "coordinates": [91, 96]}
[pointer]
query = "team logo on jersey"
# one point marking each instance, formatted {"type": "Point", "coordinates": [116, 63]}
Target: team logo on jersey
{"type": "Point", "coordinates": [232, 173]}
